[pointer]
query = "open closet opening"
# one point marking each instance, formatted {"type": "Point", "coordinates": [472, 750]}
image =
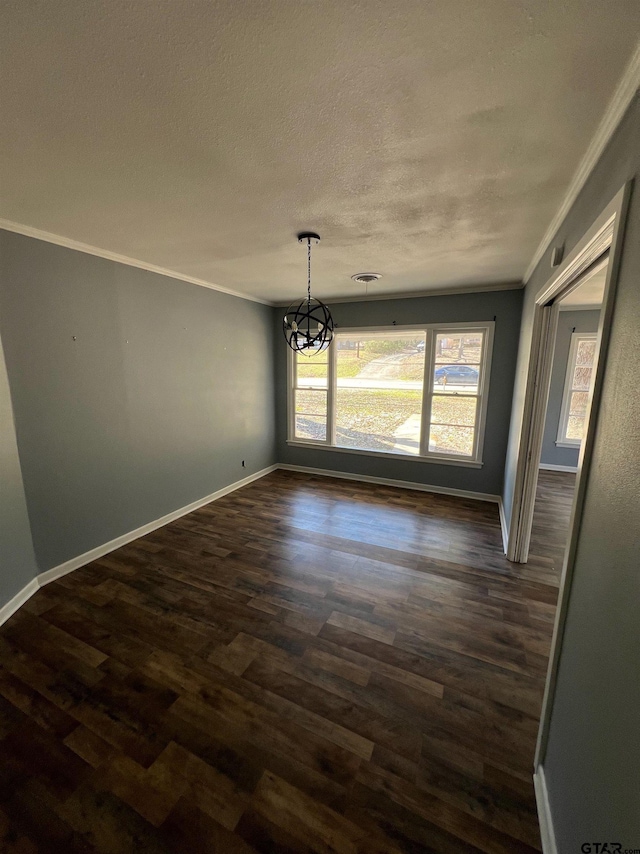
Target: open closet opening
{"type": "Point", "coordinates": [573, 366]}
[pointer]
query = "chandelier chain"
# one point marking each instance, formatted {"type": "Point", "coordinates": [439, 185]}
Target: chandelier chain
{"type": "Point", "coordinates": [308, 269]}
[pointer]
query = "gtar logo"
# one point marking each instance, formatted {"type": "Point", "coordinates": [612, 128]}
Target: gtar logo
{"type": "Point", "coordinates": [601, 848]}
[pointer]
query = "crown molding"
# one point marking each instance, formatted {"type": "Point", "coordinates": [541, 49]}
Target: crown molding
{"type": "Point", "coordinates": [436, 292]}
{"type": "Point", "coordinates": [68, 243]}
{"type": "Point", "coordinates": [623, 95]}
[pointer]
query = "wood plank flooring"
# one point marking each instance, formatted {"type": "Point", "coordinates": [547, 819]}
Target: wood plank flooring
{"type": "Point", "coordinates": [551, 515]}
{"type": "Point", "coordinates": [305, 665]}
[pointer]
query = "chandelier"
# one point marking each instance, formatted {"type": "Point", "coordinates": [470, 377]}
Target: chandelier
{"type": "Point", "coordinates": [308, 325]}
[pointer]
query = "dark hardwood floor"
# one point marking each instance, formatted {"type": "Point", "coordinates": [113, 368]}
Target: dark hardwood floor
{"type": "Point", "coordinates": [305, 665]}
{"type": "Point", "coordinates": [550, 530]}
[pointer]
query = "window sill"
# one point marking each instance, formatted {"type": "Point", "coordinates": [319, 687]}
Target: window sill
{"type": "Point", "coordinates": [574, 445]}
{"type": "Point", "coordinates": [447, 461]}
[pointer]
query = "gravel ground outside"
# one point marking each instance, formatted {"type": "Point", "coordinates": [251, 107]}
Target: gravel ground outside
{"type": "Point", "coordinates": [369, 418]}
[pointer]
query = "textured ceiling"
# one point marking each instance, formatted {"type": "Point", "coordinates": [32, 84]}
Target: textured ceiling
{"type": "Point", "coordinates": [430, 142]}
{"type": "Point", "coordinates": [590, 292]}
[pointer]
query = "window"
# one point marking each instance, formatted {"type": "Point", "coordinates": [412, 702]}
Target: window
{"type": "Point", "coordinates": [310, 387]}
{"type": "Point", "coordinates": [419, 392]}
{"type": "Point", "coordinates": [577, 385]}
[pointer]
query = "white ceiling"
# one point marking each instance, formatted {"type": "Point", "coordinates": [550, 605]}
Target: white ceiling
{"type": "Point", "coordinates": [589, 293]}
{"type": "Point", "coordinates": [430, 142]}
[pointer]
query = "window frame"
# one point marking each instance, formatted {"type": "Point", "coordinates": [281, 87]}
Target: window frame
{"type": "Point", "coordinates": [292, 387]}
{"type": "Point", "coordinates": [431, 331]}
{"type": "Point", "coordinates": [562, 441]}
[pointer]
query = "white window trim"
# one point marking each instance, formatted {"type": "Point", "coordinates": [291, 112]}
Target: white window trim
{"type": "Point", "coordinates": [562, 441]}
{"type": "Point", "coordinates": [430, 330]}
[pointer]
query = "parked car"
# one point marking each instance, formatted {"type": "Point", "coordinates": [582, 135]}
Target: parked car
{"type": "Point", "coordinates": [456, 375]}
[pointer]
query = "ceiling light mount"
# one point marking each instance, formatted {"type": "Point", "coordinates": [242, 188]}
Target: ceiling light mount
{"type": "Point", "coordinates": [311, 236]}
{"type": "Point", "coordinates": [366, 278]}
{"type": "Point", "coordinates": [308, 325]}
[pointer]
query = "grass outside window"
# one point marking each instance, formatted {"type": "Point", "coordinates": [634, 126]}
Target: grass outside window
{"type": "Point", "coordinates": [419, 392]}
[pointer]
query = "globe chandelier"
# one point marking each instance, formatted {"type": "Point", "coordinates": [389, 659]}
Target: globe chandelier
{"type": "Point", "coordinates": [308, 325]}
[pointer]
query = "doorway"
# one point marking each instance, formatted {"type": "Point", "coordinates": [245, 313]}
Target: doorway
{"type": "Point", "coordinates": [604, 236]}
{"type": "Point", "coordinates": [601, 244]}
{"type": "Point", "coordinates": [566, 419]}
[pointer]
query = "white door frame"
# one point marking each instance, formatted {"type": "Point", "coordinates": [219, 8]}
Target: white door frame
{"type": "Point", "coordinates": [606, 233]}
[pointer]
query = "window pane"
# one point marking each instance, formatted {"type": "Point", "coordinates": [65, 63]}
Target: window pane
{"type": "Point", "coordinates": [312, 370]}
{"type": "Point", "coordinates": [582, 378]}
{"type": "Point", "coordinates": [380, 361]}
{"type": "Point", "coordinates": [451, 378]}
{"type": "Point", "coordinates": [379, 380]}
{"type": "Point", "coordinates": [586, 352]}
{"type": "Point", "coordinates": [459, 348]}
{"type": "Point", "coordinates": [386, 419]}
{"type": "Point", "coordinates": [575, 427]}
{"type": "Point", "coordinates": [451, 440]}
{"type": "Point", "coordinates": [311, 427]}
{"type": "Point", "coordinates": [453, 409]}
{"type": "Point", "coordinates": [313, 357]}
{"type": "Point", "coordinates": [577, 390]}
{"type": "Point", "coordinates": [311, 402]}
{"type": "Point", "coordinates": [578, 405]}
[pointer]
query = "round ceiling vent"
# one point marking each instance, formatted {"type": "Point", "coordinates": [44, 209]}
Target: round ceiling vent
{"type": "Point", "coordinates": [366, 278]}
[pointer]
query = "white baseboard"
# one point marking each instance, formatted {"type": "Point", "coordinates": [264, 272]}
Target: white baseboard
{"type": "Point", "coordinates": [100, 551]}
{"type": "Point", "coordinates": [403, 484]}
{"type": "Point", "coordinates": [81, 560]}
{"type": "Point", "coordinates": [19, 599]}
{"type": "Point", "coordinates": [544, 812]}
{"type": "Point", "coordinates": [549, 467]}
{"type": "Point", "coordinates": [503, 525]}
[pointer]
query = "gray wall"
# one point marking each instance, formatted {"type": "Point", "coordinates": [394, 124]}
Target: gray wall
{"type": "Point", "coordinates": [568, 322]}
{"type": "Point", "coordinates": [505, 306]}
{"type": "Point", "coordinates": [17, 560]}
{"type": "Point", "coordinates": [134, 394]}
{"type": "Point", "coordinates": [593, 753]}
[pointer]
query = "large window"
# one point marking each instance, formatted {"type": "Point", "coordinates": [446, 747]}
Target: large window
{"type": "Point", "coordinates": [418, 392]}
{"type": "Point", "coordinates": [577, 384]}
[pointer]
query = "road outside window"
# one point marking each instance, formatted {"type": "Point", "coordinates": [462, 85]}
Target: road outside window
{"type": "Point", "coordinates": [412, 392]}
